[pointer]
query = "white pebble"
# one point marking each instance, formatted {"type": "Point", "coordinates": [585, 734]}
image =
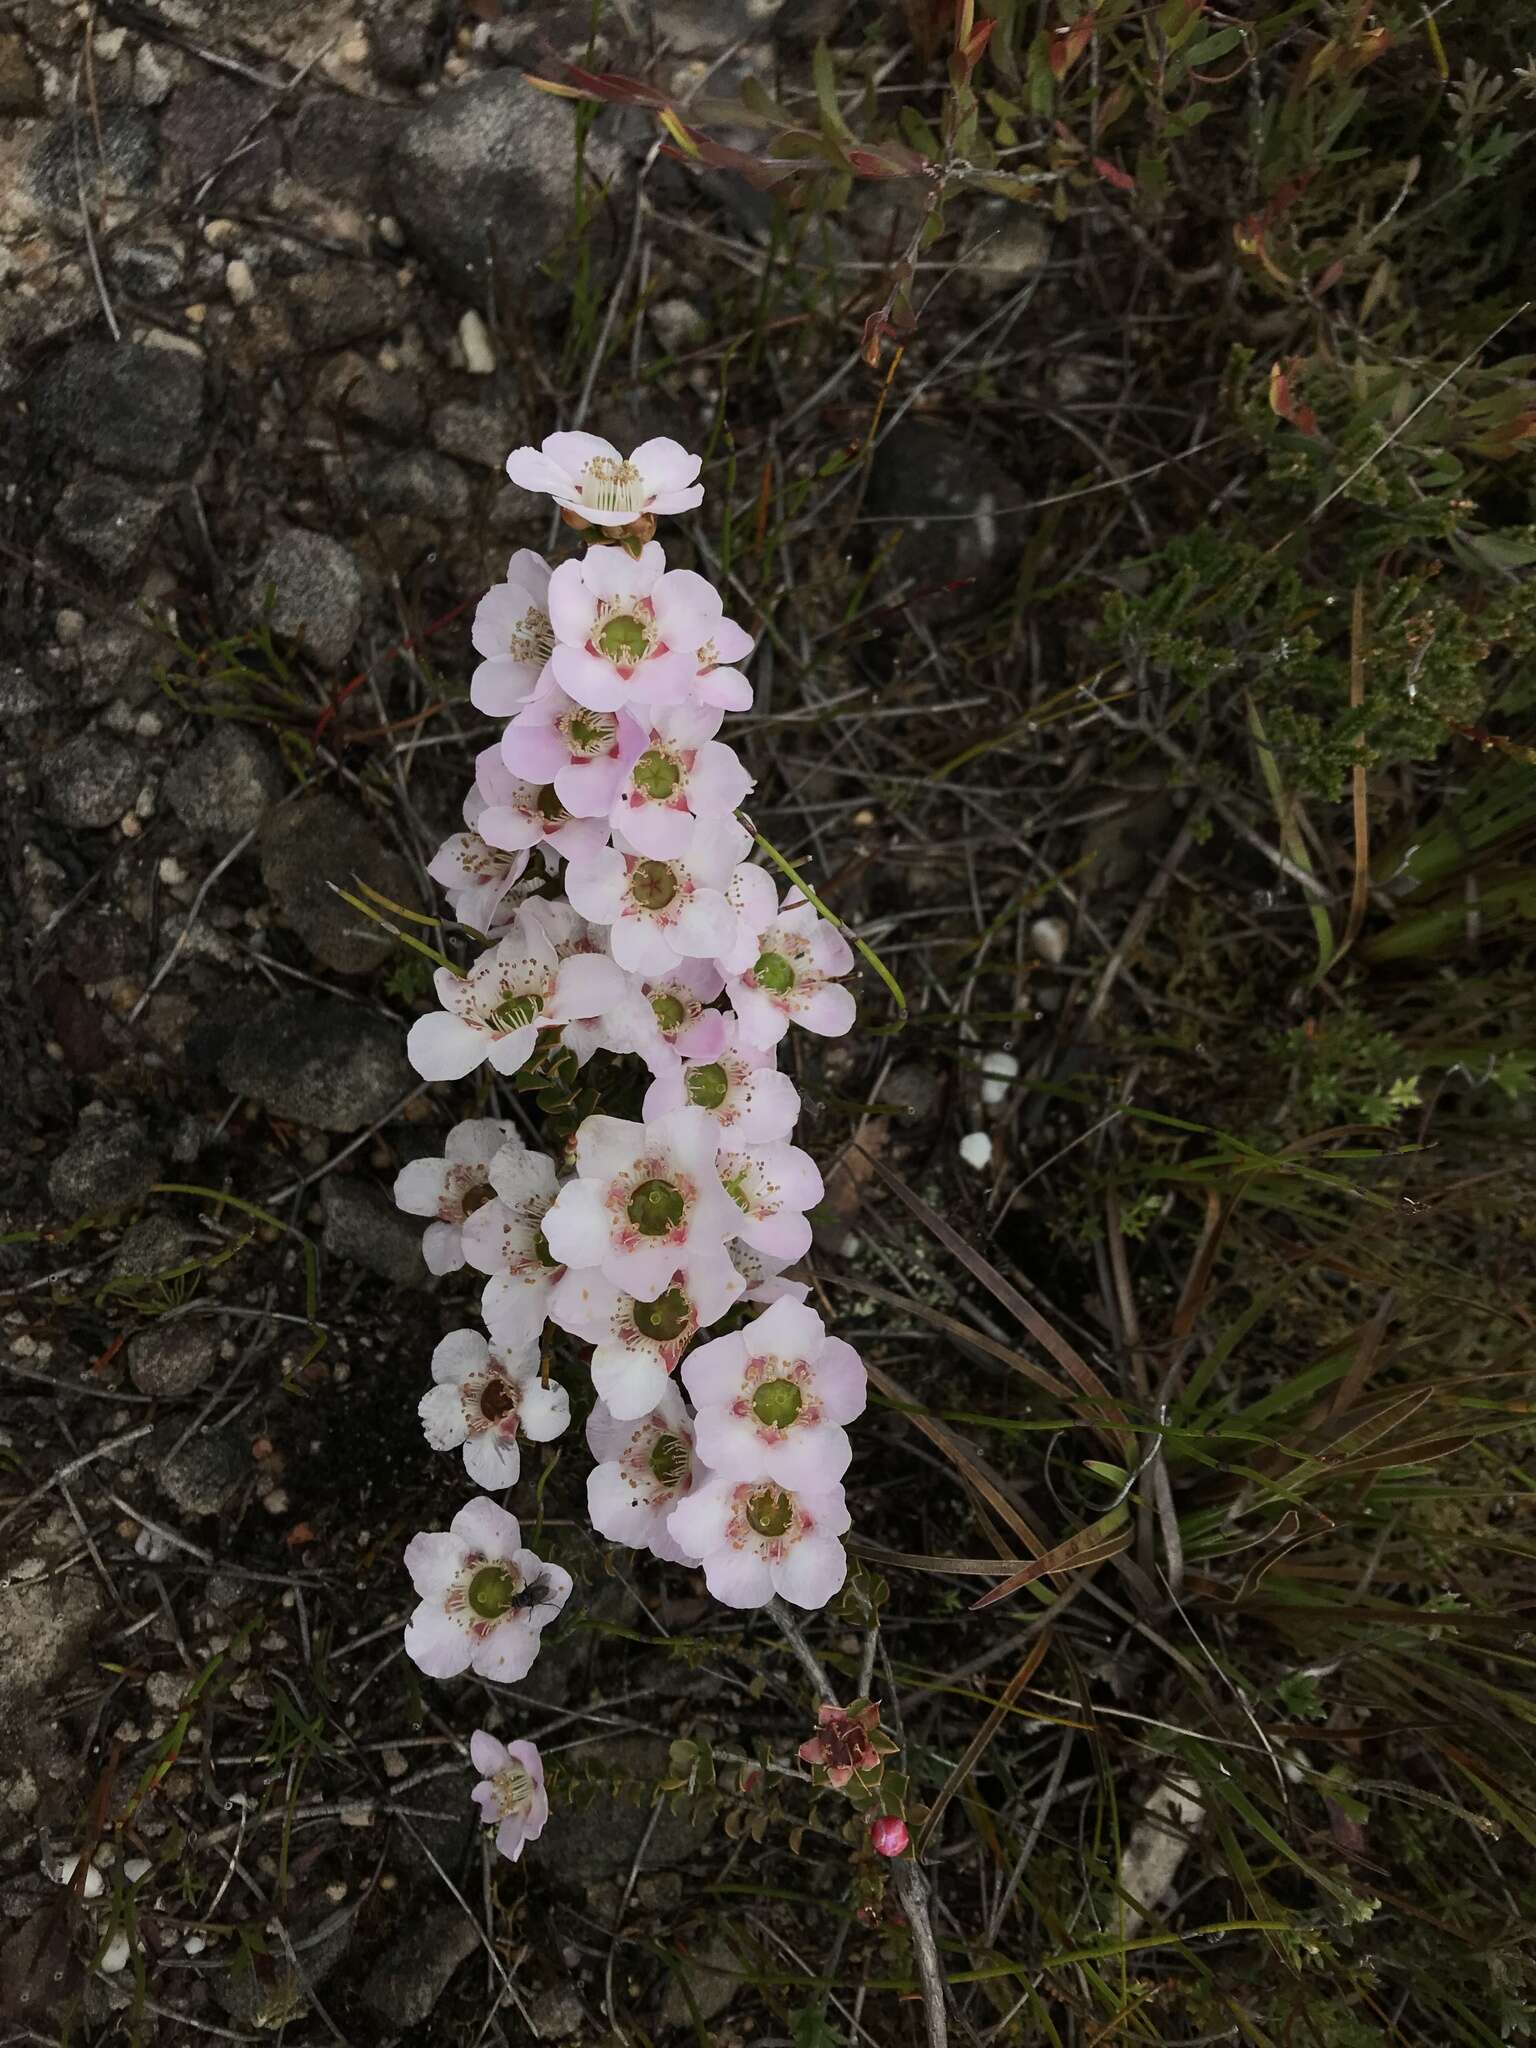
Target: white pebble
{"type": "Point", "coordinates": [1050, 937]}
{"type": "Point", "coordinates": [193, 1945]}
{"type": "Point", "coordinates": [116, 1953]}
{"type": "Point", "coordinates": [976, 1150]}
{"type": "Point", "coordinates": [107, 44]}
{"type": "Point", "coordinates": [998, 1069]}
{"type": "Point", "coordinates": [171, 871]}
{"type": "Point", "coordinates": [137, 1867]}
{"type": "Point", "coordinates": [475, 340]}
{"type": "Point", "coordinates": [391, 232]}
{"type": "Point", "coordinates": [238, 281]}
{"type": "Point", "coordinates": [62, 1873]}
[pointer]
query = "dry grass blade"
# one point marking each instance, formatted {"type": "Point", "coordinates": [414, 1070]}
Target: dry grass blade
{"type": "Point", "coordinates": [963, 1333]}
{"type": "Point", "coordinates": [1096, 1544]}
{"type": "Point", "coordinates": [1354, 1380]}
{"type": "Point", "coordinates": [1104, 1412]}
{"type": "Point", "coordinates": [976, 1748]}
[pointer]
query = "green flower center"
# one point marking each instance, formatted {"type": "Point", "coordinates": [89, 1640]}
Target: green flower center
{"type": "Point", "coordinates": [550, 806]}
{"type": "Point", "coordinates": [655, 1208]}
{"type": "Point", "coordinates": [669, 1459]}
{"type": "Point", "coordinates": [477, 1198]}
{"type": "Point", "coordinates": [623, 639]}
{"type": "Point", "coordinates": [777, 1403]}
{"type": "Point", "coordinates": [774, 972]}
{"type": "Point", "coordinates": [771, 1511]}
{"type": "Point", "coordinates": [736, 1188]}
{"type": "Point", "coordinates": [491, 1592]}
{"type": "Point", "coordinates": [514, 1789]}
{"type": "Point", "coordinates": [664, 1320]}
{"type": "Point", "coordinates": [588, 731]}
{"type": "Point", "coordinates": [653, 884]}
{"type": "Point", "coordinates": [657, 774]}
{"type": "Point", "coordinates": [668, 1011]}
{"type": "Point", "coordinates": [515, 1013]}
{"type": "Point", "coordinates": [708, 1086]}
{"type": "Point", "coordinates": [541, 1250]}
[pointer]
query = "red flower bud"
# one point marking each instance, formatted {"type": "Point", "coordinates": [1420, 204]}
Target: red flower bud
{"type": "Point", "coordinates": [888, 1835]}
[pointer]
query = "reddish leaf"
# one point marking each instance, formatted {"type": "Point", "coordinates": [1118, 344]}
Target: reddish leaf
{"type": "Point", "coordinates": [1067, 45]}
{"type": "Point", "coordinates": [1284, 403]}
{"type": "Point", "coordinates": [1121, 180]}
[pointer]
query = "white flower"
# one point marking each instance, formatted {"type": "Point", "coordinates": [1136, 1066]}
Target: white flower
{"type": "Point", "coordinates": [661, 912]}
{"type": "Point", "coordinates": [772, 1186]}
{"type": "Point", "coordinates": [511, 1795]}
{"type": "Point", "coordinates": [582, 754]}
{"type": "Point", "coordinates": [505, 1238]}
{"type": "Point", "coordinates": [646, 1467]}
{"type": "Point", "coordinates": [756, 1538]}
{"type": "Point", "coordinates": [452, 1188]}
{"type": "Point", "coordinates": [738, 1084]}
{"type": "Point", "coordinates": [679, 774]}
{"type": "Point", "coordinates": [665, 1019]}
{"type": "Point", "coordinates": [772, 1399]}
{"type": "Point", "coordinates": [587, 475]}
{"type": "Point", "coordinates": [485, 1399]}
{"type": "Point", "coordinates": [513, 632]}
{"type": "Point", "coordinates": [717, 649]}
{"type": "Point", "coordinates": [763, 1275]}
{"type": "Point", "coordinates": [638, 1343]}
{"type": "Point", "coordinates": [647, 1203]}
{"type": "Point", "coordinates": [496, 1011]}
{"type": "Point", "coordinates": [482, 1598]}
{"type": "Point", "coordinates": [794, 978]}
{"type": "Point", "coordinates": [517, 815]}
{"type": "Point", "coordinates": [478, 877]}
{"type": "Point", "coordinates": [625, 628]}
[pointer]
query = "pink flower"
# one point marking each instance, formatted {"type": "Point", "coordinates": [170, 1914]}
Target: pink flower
{"type": "Point", "coordinates": [623, 629]}
{"type": "Point", "coordinates": [638, 1343]}
{"type": "Point", "coordinates": [678, 774]}
{"type": "Point", "coordinates": [773, 1398]}
{"type": "Point", "coordinates": [738, 1084]}
{"type": "Point", "coordinates": [660, 912]}
{"type": "Point", "coordinates": [588, 475]}
{"type": "Point", "coordinates": [763, 1276]}
{"type": "Point", "coordinates": [756, 1538]}
{"type": "Point", "coordinates": [848, 1742]}
{"type": "Point", "coordinates": [647, 1204]}
{"type": "Point", "coordinates": [716, 650]}
{"type": "Point", "coordinates": [583, 754]}
{"type": "Point", "coordinates": [478, 878]}
{"type": "Point", "coordinates": [793, 979]}
{"type": "Point", "coordinates": [505, 1238]}
{"type": "Point", "coordinates": [646, 1467]}
{"type": "Point", "coordinates": [772, 1186]}
{"type": "Point", "coordinates": [664, 1019]}
{"type": "Point", "coordinates": [754, 897]}
{"type": "Point", "coordinates": [518, 814]}
{"type": "Point", "coordinates": [510, 1795]}
{"type": "Point", "coordinates": [888, 1835]}
{"type": "Point", "coordinates": [495, 1012]}
{"type": "Point", "coordinates": [450, 1189]}
{"type": "Point", "coordinates": [513, 632]}
{"type": "Point", "coordinates": [483, 1599]}
{"type": "Point", "coordinates": [483, 1399]}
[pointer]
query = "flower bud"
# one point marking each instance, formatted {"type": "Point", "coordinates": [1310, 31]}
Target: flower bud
{"type": "Point", "coordinates": [888, 1835]}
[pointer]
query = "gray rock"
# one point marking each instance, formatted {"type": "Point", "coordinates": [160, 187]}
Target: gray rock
{"type": "Point", "coordinates": [317, 591]}
{"type": "Point", "coordinates": [218, 143]}
{"type": "Point", "coordinates": [362, 1224]}
{"type": "Point", "coordinates": [317, 1060]}
{"type": "Point", "coordinates": [173, 1358]}
{"type": "Point", "coordinates": [343, 303]}
{"type": "Point", "coordinates": [155, 1244]}
{"type": "Point", "coordinates": [558, 2013]}
{"type": "Point", "coordinates": [602, 1839]}
{"type": "Point", "coordinates": [110, 1163]}
{"type": "Point", "coordinates": [403, 36]}
{"type": "Point", "coordinates": [488, 170]}
{"type": "Point", "coordinates": [202, 1475]}
{"type": "Point", "coordinates": [108, 522]}
{"type": "Point", "coordinates": [712, 1974]}
{"type": "Point", "coordinates": [422, 486]}
{"type": "Point", "coordinates": [98, 945]}
{"type": "Point", "coordinates": [47, 1610]}
{"type": "Point", "coordinates": [149, 270]}
{"type": "Point", "coordinates": [91, 780]}
{"type": "Point", "coordinates": [924, 473]}
{"type": "Point", "coordinates": [415, 1970]}
{"type": "Point", "coordinates": [69, 157]}
{"type": "Point", "coordinates": [20, 92]}
{"type": "Point", "coordinates": [124, 405]}
{"type": "Point", "coordinates": [319, 840]}
{"type": "Point", "coordinates": [118, 660]}
{"type": "Point", "coordinates": [273, 1990]}
{"type": "Point", "coordinates": [340, 144]}
{"type": "Point", "coordinates": [1005, 245]}
{"type": "Point", "coordinates": [481, 434]}
{"type": "Point", "coordinates": [21, 695]}
{"type": "Point", "coordinates": [227, 784]}
{"type": "Point", "coordinates": [390, 400]}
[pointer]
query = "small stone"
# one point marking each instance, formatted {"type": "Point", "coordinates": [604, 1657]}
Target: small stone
{"type": "Point", "coordinates": [317, 592]}
{"type": "Point", "coordinates": [713, 1974]}
{"type": "Point", "coordinates": [148, 270]}
{"type": "Point", "coordinates": [238, 281]}
{"type": "Point", "coordinates": [343, 303]}
{"type": "Point", "coordinates": [305, 847]}
{"type": "Point", "coordinates": [155, 1244]}
{"type": "Point", "coordinates": [390, 231]}
{"type": "Point", "coordinates": [976, 1150]}
{"type": "Point", "coordinates": [317, 1060]}
{"type": "Point", "coordinates": [219, 143]}
{"type": "Point", "coordinates": [202, 1475]}
{"type": "Point", "coordinates": [173, 1358]}
{"type": "Point", "coordinates": [21, 695]}
{"type": "Point", "coordinates": [107, 44]}
{"type": "Point", "coordinates": [475, 341]}
{"type": "Point", "coordinates": [422, 486]}
{"type": "Point", "coordinates": [339, 143]}
{"type": "Point", "coordinates": [390, 400]}
{"type": "Point", "coordinates": [117, 660]}
{"type": "Point", "coordinates": [114, 150]}
{"type": "Point", "coordinates": [362, 1224]}
{"type": "Point", "coordinates": [124, 405]}
{"type": "Point", "coordinates": [227, 784]}
{"type": "Point", "coordinates": [154, 74]}
{"type": "Point", "coordinates": [474, 433]}
{"type": "Point", "coordinates": [1050, 937]}
{"type": "Point", "coordinates": [91, 780]}
{"type": "Point", "coordinates": [108, 522]}
{"type": "Point", "coordinates": [999, 1070]}
{"type": "Point", "coordinates": [418, 1964]}
{"type": "Point", "coordinates": [403, 34]}
{"type": "Point", "coordinates": [20, 92]}
{"type": "Point", "coordinates": [923, 472]}
{"type": "Point", "coordinates": [1005, 245]}
{"type": "Point", "coordinates": [679, 324]}
{"type": "Point", "coordinates": [558, 2013]}
{"type": "Point", "coordinates": [110, 1163]}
